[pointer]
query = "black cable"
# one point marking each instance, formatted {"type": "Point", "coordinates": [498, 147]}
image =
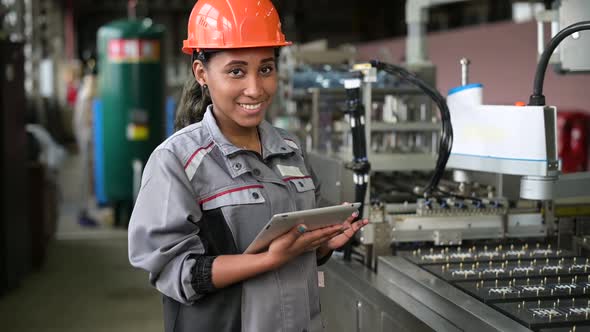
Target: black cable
{"type": "Point", "coordinates": [446, 139]}
{"type": "Point", "coordinates": [537, 98]}
{"type": "Point", "coordinates": [360, 164]}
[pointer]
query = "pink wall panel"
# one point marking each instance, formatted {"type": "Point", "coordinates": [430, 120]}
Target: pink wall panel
{"type": "Point", "coordinates": [503, 58]}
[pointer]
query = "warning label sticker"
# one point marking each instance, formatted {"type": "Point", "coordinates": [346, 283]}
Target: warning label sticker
{"type": "Point", "coordinates": [134, 50]}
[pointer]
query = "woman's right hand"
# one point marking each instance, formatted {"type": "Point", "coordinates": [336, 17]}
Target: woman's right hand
{"type": "Point", "coordinates": [297, 241]}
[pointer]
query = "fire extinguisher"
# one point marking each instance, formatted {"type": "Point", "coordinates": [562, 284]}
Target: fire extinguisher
{"type": "Point", "coordinates": [573, 142]}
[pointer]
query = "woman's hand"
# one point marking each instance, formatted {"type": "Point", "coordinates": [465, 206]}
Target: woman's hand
{"type": "Point", "coordinates": [350, 228]}
{"type": "Point", "coordinates": [297, 241]}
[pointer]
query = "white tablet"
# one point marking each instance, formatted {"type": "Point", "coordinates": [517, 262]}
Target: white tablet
{"type": "Point", "coordinates": [280, 224]}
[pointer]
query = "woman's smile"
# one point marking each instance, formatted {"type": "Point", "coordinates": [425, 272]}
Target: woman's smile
{"type": "Point", "coordinates": [251, 108]}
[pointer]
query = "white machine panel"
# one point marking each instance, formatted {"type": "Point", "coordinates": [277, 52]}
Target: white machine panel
{"type": "Point", "coordinates": [501, 132]}
{"type": "Point", "coordinates": [515, 140]}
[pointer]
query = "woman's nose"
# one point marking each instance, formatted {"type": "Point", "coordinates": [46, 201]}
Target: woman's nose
{"type": "Point", "coordinates": [254, 88]}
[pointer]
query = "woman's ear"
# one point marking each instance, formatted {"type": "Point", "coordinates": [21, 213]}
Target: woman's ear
{"type": "Point", "coordinates": [200, 72]}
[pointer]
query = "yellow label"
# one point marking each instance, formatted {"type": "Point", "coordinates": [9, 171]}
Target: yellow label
{"type": "Point", "coordinates": [137, 133]}
{"type": "Point", "coordinates": [361, 66]}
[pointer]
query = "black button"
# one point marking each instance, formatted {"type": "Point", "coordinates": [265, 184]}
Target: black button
{"type": "Point", "coordinates": [255, 195]}
{"type": "Point", "coordinates": [300, 184]}
{"type": "Point", "coordinates": [237, 166]}
{"type": "Point", "coordinates": [256, 172]}
{"type": "Point", "coordinates": [283, 148]}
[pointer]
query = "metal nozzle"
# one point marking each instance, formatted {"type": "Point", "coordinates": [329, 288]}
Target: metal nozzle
{"type": "Point", "coordinates": [464, 70]}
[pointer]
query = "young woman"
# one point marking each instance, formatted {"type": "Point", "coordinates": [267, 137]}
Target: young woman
{"type": "Point", "coordinates": [209, 189]}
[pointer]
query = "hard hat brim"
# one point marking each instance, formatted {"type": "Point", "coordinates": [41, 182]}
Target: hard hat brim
{"type": "Point", "coordinates": [188, 49]}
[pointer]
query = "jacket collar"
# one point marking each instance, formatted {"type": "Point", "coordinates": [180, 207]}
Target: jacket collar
{"type": "Point", "coordinates": [272, 142]}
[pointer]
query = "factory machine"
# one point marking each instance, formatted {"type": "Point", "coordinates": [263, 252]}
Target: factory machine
{"type": "Point", "coordinates": [495, 239]}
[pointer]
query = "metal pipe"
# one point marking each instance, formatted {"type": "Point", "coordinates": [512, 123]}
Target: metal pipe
{"type": "Point", "coordinates": [540, 37]}
{"type": "Point", "coordinates": [132, 9]}
{"type": "Point", "coordinates": [416, 19]}
{"type": "Point", "coordinates": [315, 118]}
{"type": "Point", "coordinates": [464, 71]}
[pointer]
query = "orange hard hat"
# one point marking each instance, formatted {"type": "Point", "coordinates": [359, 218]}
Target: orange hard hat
{"type": "Point", "coordinates": [222, 24]}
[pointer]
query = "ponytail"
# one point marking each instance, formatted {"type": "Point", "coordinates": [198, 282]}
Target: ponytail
{"type": "Point", "coordinates": [192, 105]}
{"type": "Point", "coordinates": [194, 99]}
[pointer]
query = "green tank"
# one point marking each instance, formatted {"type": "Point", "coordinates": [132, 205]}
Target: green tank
{"type": "Point", "coordinates": [131, 88]}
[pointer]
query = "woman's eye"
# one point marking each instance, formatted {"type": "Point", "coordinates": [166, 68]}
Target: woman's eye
{"type": "Point", "coordinates": [236, 72]}
{"type": "Point", "coordinates": [266, 70]}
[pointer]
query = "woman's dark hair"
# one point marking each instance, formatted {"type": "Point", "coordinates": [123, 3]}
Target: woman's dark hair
{"type": "Point", "coordinates": [194, 98]}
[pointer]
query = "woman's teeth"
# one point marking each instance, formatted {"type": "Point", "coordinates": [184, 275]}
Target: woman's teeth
{"type": "Point", "coordinates": [251, 106]}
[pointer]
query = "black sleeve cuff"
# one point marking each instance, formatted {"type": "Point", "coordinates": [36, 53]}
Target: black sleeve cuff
{"type": "Point", "coordinates": [201, 272]}
{"type": "Point", "coordinates": [324, 259]}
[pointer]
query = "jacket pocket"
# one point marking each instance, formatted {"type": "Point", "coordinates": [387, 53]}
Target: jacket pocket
{"type": "Point", "coordinates": [305, 192]}
{"type": "Point", "coordinates": [240, 195]}
{"type": "Point", "coordinates": [303, 184]}
{"type": "Point", "coordinates": [244, 208]}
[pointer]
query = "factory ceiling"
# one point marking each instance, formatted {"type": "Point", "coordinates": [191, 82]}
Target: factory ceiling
{"type": "Point", "coordinates": [344, 21]}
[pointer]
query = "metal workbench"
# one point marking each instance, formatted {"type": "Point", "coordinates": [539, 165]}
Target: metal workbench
{"type": "Point", "coordinates": [401, 297]}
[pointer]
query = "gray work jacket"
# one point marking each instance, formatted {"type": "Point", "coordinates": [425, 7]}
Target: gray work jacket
{"type": "Point", "coordinates": [201, 197]}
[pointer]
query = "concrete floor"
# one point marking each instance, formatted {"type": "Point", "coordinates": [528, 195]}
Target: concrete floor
{"type": "Point", "coordinates": [86, 284]}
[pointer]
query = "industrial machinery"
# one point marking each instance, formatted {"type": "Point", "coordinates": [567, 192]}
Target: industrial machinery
{"type": "Point", "coordinates": [493, 241]}
{"type": "Point", "coordinates": [15, 226]}
{"type": "Point", "coordinates": [130, 123]}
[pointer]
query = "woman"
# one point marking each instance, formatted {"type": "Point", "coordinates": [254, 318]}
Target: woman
{"type": "Point", "coordinates": [210, 188]}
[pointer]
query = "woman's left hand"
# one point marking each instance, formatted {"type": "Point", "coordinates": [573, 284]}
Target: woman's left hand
{"type": "Point", "coordinates": [350, 228]}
